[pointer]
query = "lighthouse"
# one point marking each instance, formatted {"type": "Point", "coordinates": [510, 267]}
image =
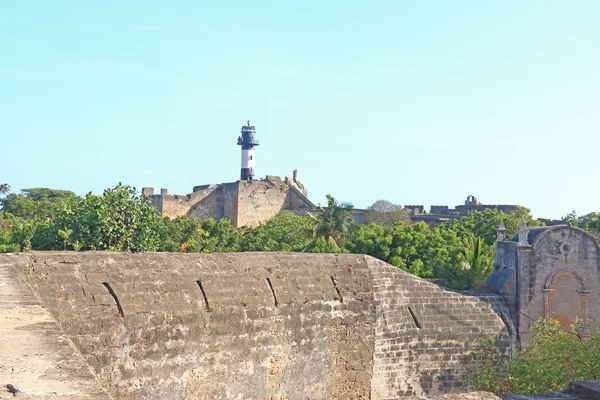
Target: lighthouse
{"type": "Point", "coordinates": [248, 142]}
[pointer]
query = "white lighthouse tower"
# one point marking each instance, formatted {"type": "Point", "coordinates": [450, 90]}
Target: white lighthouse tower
{"type": "Point", "coordinates": [248, 142]}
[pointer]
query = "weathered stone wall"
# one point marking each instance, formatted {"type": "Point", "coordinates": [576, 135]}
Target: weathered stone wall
{"type": "Point", "coordinates": [259, 201]}
{"type": "Point", "coordinates": [559, 275]}
{"type": "Point", "coordinates": [244, 203]}
{"type": "Point", "coordinates": [260, 325]}
{"type": "Point", "coordinates": [423, 333]}
{"type": "Point", "coordinates": [207, 203]}
{"type": "Point", "coordinates": [36, 357]}
{"type": "Point", "coordinates": [230, 202]}
{"type": "Point", "coordinates": [503, 279]}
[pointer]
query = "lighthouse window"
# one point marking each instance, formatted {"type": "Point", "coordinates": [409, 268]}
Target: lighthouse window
{"type": "Point", "coordinates": [251, 157]}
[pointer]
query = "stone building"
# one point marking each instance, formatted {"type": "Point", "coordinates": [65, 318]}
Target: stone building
{"type": "Point", "coordinates": [245, 202]}
{"type": "Point", "coordinates": [549, 272]}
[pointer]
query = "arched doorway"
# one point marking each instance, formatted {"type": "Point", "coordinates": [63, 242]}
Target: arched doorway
{"type": "Point", "coordinates": [566, 298]}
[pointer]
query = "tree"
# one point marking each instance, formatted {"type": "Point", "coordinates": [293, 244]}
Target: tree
{"type": "Point", "coordinates": [333, 222]}
{"type": "Point", "coordinates": [36, 203]}
{"type": "Point", "coordinates": [571, 218]}
{"type": "Point", "coordinates": [386, 213]}
{"type": "Point", "coordinates": [590, 222]}
{"type": "Point", "coordinates": [4, 188]}
{"type": "Point", "coordinates": [554, 358]}
{"type": "Point", "coordinates": [415, 248]}
{"type": "Point", "coordinates": [485, 223]}
{"type": "Point", "coordinates": [222, 236]}
{"type": "Point", "coordinates": [284, 232]}
{"type": "Point", "coordinates": [475, 262]}
{"type": "Point", "coordinates": [181, 234]}
{"type": "Point", "coordinates": [23, 233]}
{"type": "Point", "coordinates": [119, 220]}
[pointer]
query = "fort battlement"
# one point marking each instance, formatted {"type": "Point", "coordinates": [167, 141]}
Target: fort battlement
{"type": "Point", "coordinates": [260, 325]}
{"type": "Point", "coordinates": [245, 203]}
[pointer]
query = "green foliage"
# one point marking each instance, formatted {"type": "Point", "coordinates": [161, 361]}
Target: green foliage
{"type": "Point", "coordinates": [590, 222]}
{"type": "Point", "coordinates": [415, 248]}
{"type": "Point", "coordinates": [4, 188]}
{"type": "Point", "coordinates": [284, 232]}
{"type": "Point", "coordinates": [23, 233]}
{"type": "Point", "coordinates": [119, 220]}
{"type": "Point", "coordinates": [485, 223]}
{"type": "Point", "coordinates": [8, 243]}
{"type": "Point", "coordinates": [35, 203]}
{"type": "Point", "coordinates": [384, 212]}
{"type": "Point", "coordinates": [322, 245]}
{"type": "Point", "coordinates": [475, 262]}
{"type": "Point", "coordinates": [333, 222]}
{"type": "Point", "coordinates": [488, 369]}
{"type": "Point", "coordinates": [554, 358]}
{"type": "Point", "coordinates": [182, 234]}
{"type": "Point", "coordinates": [222, 236]}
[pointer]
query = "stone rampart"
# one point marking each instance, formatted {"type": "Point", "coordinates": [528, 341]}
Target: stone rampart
{"type": "Point", "coordinates": [260, 325]}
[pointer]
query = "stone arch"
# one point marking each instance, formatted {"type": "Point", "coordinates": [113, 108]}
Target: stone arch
{"type": "Point", "coordinates": [566, 297]}
{"type": "Point", "coordinates": [551, 278]}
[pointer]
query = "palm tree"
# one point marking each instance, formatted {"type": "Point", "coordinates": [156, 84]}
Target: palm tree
{"type": "Point", "coordinates": [333, 222]}
{"type": "Point", "coordinates": [4, 188]}
{"type": "Point", "coordinates": [475, 262]}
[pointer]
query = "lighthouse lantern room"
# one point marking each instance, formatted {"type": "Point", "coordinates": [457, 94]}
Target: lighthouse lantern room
{"type": "Point", "coordinates": [248, 142]}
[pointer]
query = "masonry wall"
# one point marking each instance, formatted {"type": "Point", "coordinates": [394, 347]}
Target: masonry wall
{"type": "Point", "coordinates": [260, 325]}
{"type": "Point", "coordinates": [559, 284]}
{"type": "Point", "coordinates": [424, 332]}
{"type": "Point", "coordinates": [230, 202]}
{"type": "Point", "coordinates": [209, 205]}
{"type": "Point", "coordinates": [259, 201]}
{"type": "Point", "coordinates": [503, 278]}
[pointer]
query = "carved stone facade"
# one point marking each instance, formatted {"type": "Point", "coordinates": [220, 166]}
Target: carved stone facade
{"type": "Point", "coordinates": [548, 272]}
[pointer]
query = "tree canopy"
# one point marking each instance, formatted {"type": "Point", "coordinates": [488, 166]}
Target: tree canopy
{"type": "Point", "coordinates": [554, 358]}
{"type": "Point", "coordinates": [459, 251]}
{"type": "Point", "coordinates": [590, 222]}
{"type": "Point", "coordinates": [485, 224]}
{"type": "Point", "coordinates": [35, 203]}
{"type": "Point", "coordinates": [333, 223]}
{"type": "Point", "coordinates": [385, 212]}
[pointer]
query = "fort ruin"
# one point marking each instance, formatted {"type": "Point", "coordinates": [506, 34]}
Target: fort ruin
{"type": "Point", "coordinates": [274, 325]}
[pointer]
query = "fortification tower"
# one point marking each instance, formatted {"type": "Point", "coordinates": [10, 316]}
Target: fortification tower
{"type": "Point", "coordinates": [248, 142]}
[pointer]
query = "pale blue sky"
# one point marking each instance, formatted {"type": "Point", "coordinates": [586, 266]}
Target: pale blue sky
{"type": "Point", "coordinates": [420, 102]}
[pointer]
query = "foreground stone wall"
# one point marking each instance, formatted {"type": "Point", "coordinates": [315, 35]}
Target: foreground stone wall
{"type": "Point", "coordinates": [36, 357]}
{"type": "Point", "coordinates": [260, 325]}
{"type": "Point", "coordinates": [424, 332]}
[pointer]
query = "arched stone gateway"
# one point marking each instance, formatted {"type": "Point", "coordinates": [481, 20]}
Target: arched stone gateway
{"type": "Point", "coordinates": [566, 298]}
{"type": "Point", "coordinates": [548, 272]}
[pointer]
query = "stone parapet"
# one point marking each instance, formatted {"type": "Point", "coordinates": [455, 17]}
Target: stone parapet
{"type": "Point", "coordinates": [260, 325]}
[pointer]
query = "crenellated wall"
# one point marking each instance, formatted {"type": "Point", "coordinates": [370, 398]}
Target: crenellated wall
{"type": "Point", "coordinates": [260, 325]}
{"type": "Point", "coordinates": [245, 203]}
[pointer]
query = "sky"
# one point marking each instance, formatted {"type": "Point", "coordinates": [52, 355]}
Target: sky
{"type": "Point", "coordinates": [416, 102]}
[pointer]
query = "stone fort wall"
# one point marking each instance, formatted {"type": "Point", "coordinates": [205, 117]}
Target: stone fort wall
{"type": "Point", "coordinates": [260, 325]}
{"type": "Point", "coordinates": [245, 203]}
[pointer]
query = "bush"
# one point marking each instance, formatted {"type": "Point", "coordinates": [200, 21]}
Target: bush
{"type": "Point", "coordinates": [555, 358]}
